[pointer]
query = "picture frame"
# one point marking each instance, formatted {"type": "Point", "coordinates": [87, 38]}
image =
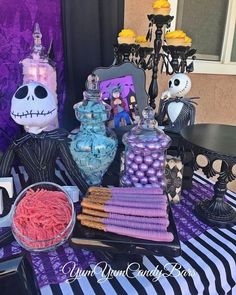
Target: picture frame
{"type": "Point", "coordinates": [132, 75]}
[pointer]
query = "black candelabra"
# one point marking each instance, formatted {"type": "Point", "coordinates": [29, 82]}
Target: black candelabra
{"type": "Point", "coordinates": [173, 59]}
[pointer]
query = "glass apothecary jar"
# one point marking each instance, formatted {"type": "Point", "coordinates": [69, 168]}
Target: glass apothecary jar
{"type": "Point", "coordinates": [145, 153]}
{"type": "Point", "coordinates": [93, 145]}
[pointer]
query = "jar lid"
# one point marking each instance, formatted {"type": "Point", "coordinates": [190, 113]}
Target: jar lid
{"type": "Point", "coordinates": [147, 134]}
{"type": "Point", "coordinates": [92, 107]}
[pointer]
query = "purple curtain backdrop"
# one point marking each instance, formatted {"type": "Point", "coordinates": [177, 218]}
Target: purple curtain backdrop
{"type": "Point", "coordinates": [17, 19]}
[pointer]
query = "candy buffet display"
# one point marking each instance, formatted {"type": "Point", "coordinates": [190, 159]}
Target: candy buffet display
{"type": "Point", "coordinates": [38, 67]}
{"type": "Point", "coordinates": [34, 107]}
{"type": "Point", "coordinates": [175, 110]}
{"type": "Point", "coordinates": [133, 212]}
{"type": "Point", "coordinates": [43, 217]}
{"type": "Point", "coordinates": [145, 149]}
{"type": "Point", "coordinates": [94, 146]}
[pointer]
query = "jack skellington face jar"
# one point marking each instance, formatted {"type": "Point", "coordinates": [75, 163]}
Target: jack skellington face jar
{"type": "Point", "coordinates": [34, 107]}
{"type": "Point", "coordinates": [175, 110]}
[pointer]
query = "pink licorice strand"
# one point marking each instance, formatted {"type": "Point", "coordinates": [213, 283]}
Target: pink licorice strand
{"type": "Point", "coordinates": [137, 191]}
{"type": "Point", "coordinates": [135, 211]}
{"type": "Point", "coordinates": [158, 236]}
{"type": "Point", "coordinates": [153, 220]}
{"type": "Point", "coordinates": [136, 225]}
{"type": "Point", "coordinates": [162, 206]}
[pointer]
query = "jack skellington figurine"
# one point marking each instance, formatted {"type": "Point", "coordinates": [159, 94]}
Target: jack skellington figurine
{"type": "Point", "coordinates": [35, 107]}
{"type": "Point", "coordinates": [175, 110]}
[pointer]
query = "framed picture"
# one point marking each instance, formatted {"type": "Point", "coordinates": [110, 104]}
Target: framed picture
{"type": "Point", "coordinates": [123, 88]}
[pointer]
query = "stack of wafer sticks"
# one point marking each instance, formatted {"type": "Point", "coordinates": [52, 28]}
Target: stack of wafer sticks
{"type": "Point", "coordinates": [134, 212]}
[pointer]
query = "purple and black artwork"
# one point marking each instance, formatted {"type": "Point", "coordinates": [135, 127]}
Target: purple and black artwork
{"type": "Point", "coordinates": [119, 93]}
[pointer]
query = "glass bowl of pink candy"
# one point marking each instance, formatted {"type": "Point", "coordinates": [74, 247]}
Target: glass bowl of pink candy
{"type": "Point", "coordinates": [43, 217]}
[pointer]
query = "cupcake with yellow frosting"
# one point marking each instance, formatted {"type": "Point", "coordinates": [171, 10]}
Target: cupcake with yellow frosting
{"type": "Point", "coordinates": [126, 36]}
{"type": "Point", "coordinates": [161, 7]}
{"type": "Point", "coordinates": [187, 41]}
{"type": "Point", "coordinates": [142, 41]}
{"type": "Point", "coordinates": [175, 38]}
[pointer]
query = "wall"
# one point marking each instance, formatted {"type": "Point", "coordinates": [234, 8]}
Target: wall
{"type": "Point", "coordinates": [217, 92]}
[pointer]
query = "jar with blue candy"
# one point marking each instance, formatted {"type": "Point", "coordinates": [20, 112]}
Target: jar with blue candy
{"type": "Point", "coordinates": [93, 146]}
{"type": "Point", "coordinates": [145, 153]}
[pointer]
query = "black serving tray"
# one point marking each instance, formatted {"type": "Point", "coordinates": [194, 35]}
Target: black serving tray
{"type": "Point", "coordinates": [85, 237]}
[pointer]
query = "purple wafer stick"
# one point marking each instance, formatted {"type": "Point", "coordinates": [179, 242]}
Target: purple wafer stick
{"type": "Point", "coordinates": [124, 203]}
{"type": "Point", "coordinates": [135, 211]}
{"type": "Point", "coordinates": [137, 190]}
{"type": "Point", "coordinates": [155, 220]}
{"type": "Point", "coordinates": [130, 196]}
{"type": "Point", "coordinates": [158, 236]}
{"type": "Point", "coordinates": [139, 199]}
{"type": "Point", "coordinates": [137, 225]}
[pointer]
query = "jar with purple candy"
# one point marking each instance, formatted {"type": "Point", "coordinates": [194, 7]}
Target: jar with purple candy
{"type": "Point", "coordinates": [145, 153]}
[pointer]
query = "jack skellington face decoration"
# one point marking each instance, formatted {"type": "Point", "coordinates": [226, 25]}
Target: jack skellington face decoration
{"type": "Point", "coordinates": [175, 110]}
{"type": "Point", "coordinates": [33, 106]}
{"type": "Point", "coordinates": [179, 85]}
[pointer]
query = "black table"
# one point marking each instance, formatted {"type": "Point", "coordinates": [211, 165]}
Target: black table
{"type": "Point", "coordinates": [215, 142]}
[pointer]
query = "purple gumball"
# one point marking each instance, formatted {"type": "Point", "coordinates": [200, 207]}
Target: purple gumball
{"type": "Point", "coordinates": [140, 145]}
{"type": "Point", "coordinates": [155, 156]}
{"type": "Point", "coordinates": [139, 174]}
{"type": "Point", "coordinates": [138, 159]}
{"type": "Point", "coordinates": [129, 162]}
{"type": "Point", "coordinates": [143, 167]}
{"type": "Point", "coordinates": [161, 158]}
{"type": "Point", "coordinates": [144, 180]}
{"type": "Point", "coordinates": [157, 185]}
{"type": "Point", "coordinates": [127, 183]}
{"type": "Point", "coordinates": [146, 153]}
{"type": "Point", "coordinates": [134, 179]}
{"type": "Point", "coordinates": [156, 164]}
{"type": "Point", "coordinates": [153, 179]}
{"type": "Point", "coordinates": [138, 184]}
{"type": "Point", "coordinates": [130, 171]}
{"type": "Point", "coordinates": [148, 185]}
{"type": "Point", "coordinates": [159, 173]}
{"type": "Point", "coordinates": [148, 160]}
{"type": "Point", "coordinates": [151, 172]}
{"type": "Point", "coordinates": [152, 146]}
{"type": "Point", "coordinates": [131, 156]}
{"type": "Point", "coordinates": [134, 166]}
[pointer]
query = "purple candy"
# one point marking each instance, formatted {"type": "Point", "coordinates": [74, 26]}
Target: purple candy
{"type": "Point", "coordinates": [139, 174]}
{"type": "Point", "coordinates": [138, 159]}
{"type": "Point", "coordinates": [129, 162]}
{"type": "Point", "coordinates": [156, 164]}
{"type": "Point", "coordinates": [151, 172]}
{"type": "Point", "coordinates": [138, 184]}
{"type": "Point", "coordinates": [134, 179]}
{"type": "Point", "coordinates": [140, 145]}
{"type": "Point", "coordinates": [148, 160]}
{"type": "Point", "coordinates": [148, 185]}
{"type": "Point", "coordinates": [161, 158]}
{"type": "Point", "coordinates": [159, 173]}
{"type": "Point", "coordinates": [155, 156]}
{"type": "Point", "coordinates": [153, 179]}
{"type": "Point", "coordinates": [152, 146]}
{"type": "Point", "coordinates": [130, 171]}
{"type": "Point", "coordinates": [131, 156]}
{"type": "Point", "coordinates": [127, 183]}
{"type": "Point", "coordinates": [146, 153]}
{"type": "Point", "coordinates": [143, 167]}
{"type": "Point", "coordinates": [156, 185]}
{"type": "Point", "coordinates": [144, 180]}
{"type": "Point", "coordinates": [134, 166]}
